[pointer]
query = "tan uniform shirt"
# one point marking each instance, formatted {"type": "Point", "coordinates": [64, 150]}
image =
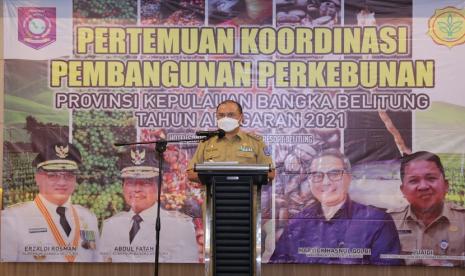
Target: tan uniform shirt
{"type": "Point", "coordinates": [443, 237]}
{"type": "Point", "coordinates": [245, 148]}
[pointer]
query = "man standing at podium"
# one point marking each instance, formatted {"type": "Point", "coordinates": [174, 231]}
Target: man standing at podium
{"type": "Point", "coordinates": [130, 236]}
{"type": "Point", "coordinates": [236, 145]}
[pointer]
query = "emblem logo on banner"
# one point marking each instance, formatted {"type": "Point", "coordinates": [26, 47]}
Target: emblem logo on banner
{"type": "Point", "coordinates": [447, 26]}
{"type": "Point", "coordinates": [36, 26]}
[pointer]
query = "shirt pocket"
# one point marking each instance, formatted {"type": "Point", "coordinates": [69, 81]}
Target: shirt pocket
{"type": "Point", "coordinates": [212, 156]}
{"type": "Point", "coordinates": [247, 157]}
{"type": "Point", "coordinates": [408, 241]}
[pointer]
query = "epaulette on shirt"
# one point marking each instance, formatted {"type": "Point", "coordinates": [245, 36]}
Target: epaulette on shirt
{"type": "Point", "coordinates": [378, 208]}
{"type": "Point", "coordinates": [177, 215]}
{"type": "Point", "coordinates": [120, 214]}
{"type": "Point", "coordinates": [397, 209]}
{"type": "Point", "coordinates": [457, 207]}
{"type": "Point", "coordinates": [254, 136]}
{"type": "Point", "coordinates": [83, 210]}
{"type": "Point", "coordinates": [16, 205]}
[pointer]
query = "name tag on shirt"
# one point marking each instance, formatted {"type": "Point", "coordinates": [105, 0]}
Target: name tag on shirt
{"type": "Point", "coordinates": [37, 230]}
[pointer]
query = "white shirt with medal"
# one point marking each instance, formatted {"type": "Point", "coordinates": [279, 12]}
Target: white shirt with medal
{"type": "Point", "coordinates": [31, 232]}
{"type": "Point", "coordinates": [177, 238]}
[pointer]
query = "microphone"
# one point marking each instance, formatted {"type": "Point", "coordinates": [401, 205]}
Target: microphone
{"type": "Point", "coordinates": [219, 132]}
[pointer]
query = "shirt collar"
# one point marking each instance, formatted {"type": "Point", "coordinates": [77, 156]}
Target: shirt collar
{"type": "Point", "coordinates": [410, 213]}
{"type": "Point", "coordinates": [445, 213]}
{"type": "Point", "coordinates": [241, 134]}
{"type": "Point", "coordinates": [345, 210]}
{"type": "Point", "coordinates": [51, 207]}
{"type": "Point", "coordinates": [147, 213]}
{"type": "Point", "coordinates": [331, 211]}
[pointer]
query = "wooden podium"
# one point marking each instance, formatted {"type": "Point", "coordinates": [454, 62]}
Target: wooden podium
{"type": "Point", "coordinates": [233, 217]}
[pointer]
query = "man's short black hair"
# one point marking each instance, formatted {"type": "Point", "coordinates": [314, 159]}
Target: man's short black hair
{"type": "Point", "coordinates": [417, 156]}
{"type": "Point", "coordinates": [239, 106]}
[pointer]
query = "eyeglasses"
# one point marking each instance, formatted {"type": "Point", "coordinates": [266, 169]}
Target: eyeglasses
{"type": "Point", "coordinates": [229, 114]}
{"type": "Point", "coordinates": [333, 175]}
{"type": "Point", "coordinates": [55, 176]}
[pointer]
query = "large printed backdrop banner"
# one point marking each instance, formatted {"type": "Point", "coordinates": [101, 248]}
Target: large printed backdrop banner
{"type": "Point", "coordinates": [375, 80]}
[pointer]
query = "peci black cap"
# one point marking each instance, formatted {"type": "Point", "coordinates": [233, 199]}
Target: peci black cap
{"type": "Point", "coordinates": [58, 156]}
{"type": "Point", "coordinates": [138, 162]}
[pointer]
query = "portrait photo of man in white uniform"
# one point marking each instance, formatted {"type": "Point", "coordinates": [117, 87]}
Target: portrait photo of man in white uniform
{"type": "Point", "coordinates": [129, 236]}
{"type": "Point", "coordinates": [51, 228]}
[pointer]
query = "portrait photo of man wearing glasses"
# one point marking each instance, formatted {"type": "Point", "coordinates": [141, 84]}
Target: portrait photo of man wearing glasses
{"type": "Point", "coordinates": [336, 229]}
{"type": "Point", "coordinates": [50, 228]}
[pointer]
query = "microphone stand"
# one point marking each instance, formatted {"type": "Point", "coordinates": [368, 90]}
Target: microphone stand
{"type": "Point", "coordinates": [160, 147]}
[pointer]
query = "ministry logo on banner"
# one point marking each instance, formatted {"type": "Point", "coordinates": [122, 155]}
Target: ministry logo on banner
{"type": "Point", "coordinates": [36, 26]}
{"type": "Point", "coordinates": [37, 29]}
{"type": "Point", "coordinates": [447, 26]}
